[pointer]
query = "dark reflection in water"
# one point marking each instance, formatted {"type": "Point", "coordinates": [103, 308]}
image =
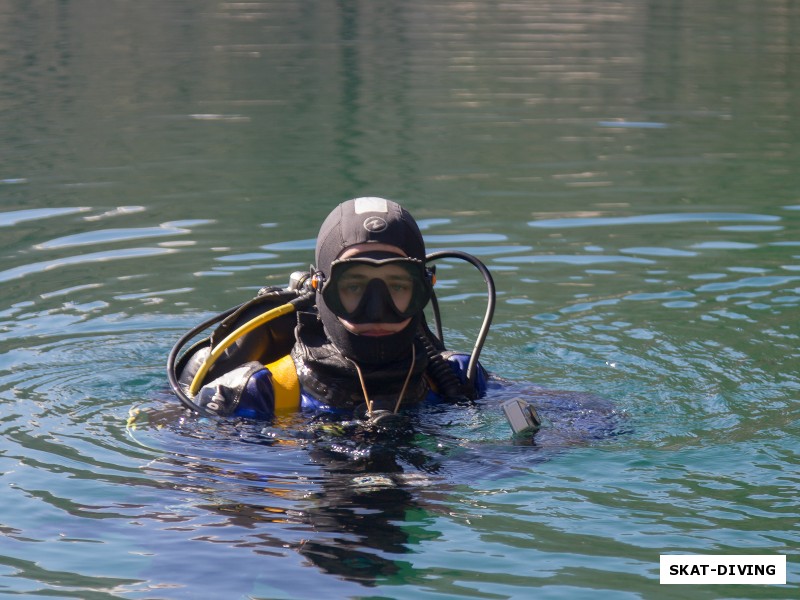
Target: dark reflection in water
{"type": "Point", "coordinates": [350, 513]}
{"type": "Point", "coordinates": [352, 526]}
{"type": "Point", "coordinates": [347, 518]}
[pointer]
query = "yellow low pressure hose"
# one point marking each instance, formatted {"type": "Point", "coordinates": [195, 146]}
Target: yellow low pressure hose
{"type": "Point", "coordinates": [216, 352]}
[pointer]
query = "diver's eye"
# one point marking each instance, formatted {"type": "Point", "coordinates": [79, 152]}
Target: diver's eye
{"type": "Point", "coordinates": [352, 288]}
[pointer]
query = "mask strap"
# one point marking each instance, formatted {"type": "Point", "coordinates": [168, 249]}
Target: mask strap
{"type": "Point", "coordinates": [402, 391]}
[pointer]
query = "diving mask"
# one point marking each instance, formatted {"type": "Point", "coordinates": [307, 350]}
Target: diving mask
{"type": "Point", "coordinates": [366, 289]}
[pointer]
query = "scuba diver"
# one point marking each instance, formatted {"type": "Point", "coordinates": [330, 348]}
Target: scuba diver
{"type": "Point", "coordinates": [347, 338]}
{"type": "Point", "coordinates": [347, 346]}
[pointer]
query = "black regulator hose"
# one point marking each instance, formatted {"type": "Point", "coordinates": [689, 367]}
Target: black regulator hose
{"type": "Point", "coordinates": [441, 372]}
{"type": "Point", "coordinates": [490, 303]}
{"type": "Point", "coordinates": [172, 374]}
{"type": "Point", "coordinates": [437, 319]}
{"type": "Point", "coordinates": [172, 359]}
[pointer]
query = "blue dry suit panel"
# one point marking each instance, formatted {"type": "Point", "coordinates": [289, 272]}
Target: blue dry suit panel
{"type": "Point", "coordinates": [257, 399]}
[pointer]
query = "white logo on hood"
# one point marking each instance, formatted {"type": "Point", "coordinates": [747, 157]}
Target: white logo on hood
{"type": "Point", "coordinates": [375, 224]}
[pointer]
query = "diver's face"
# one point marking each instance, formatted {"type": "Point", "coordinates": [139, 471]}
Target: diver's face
{"type": "Point", "coordinates": [351, 288]}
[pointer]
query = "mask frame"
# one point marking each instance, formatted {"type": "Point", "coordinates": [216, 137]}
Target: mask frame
{"type": "Point", "coordinates": [376, 298]}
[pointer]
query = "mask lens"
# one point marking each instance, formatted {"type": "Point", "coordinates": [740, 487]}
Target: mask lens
{"type": "Point", "coordinates": [364, 290]}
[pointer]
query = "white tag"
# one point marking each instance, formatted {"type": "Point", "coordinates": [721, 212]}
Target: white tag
{"type": "Point", "coordinates": [367, 205]}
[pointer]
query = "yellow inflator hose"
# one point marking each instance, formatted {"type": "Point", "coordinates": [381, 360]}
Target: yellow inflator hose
{"type": "Point", "coordinates": [216, 352]}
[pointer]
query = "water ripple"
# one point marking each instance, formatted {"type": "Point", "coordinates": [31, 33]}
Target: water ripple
{"type": "Point", "coordinates": [653, 251]}
{"type": "Point", "coordinates": [105, 236]}
{"type": "Point", "coordinates": [93, 257]}
{"type": "Point", "coordinates": [749, 282]}
{"type": "Point", "coordinates": [14, 217]}
{"type": "Point", "coordinates": [576, 259]}
{"type": "Point", "coordinates": [658, 219]}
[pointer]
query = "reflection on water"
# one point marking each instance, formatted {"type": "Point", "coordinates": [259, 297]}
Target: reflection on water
{"type": "Point", "coordinates": [626, 169]}
{"type": "Point", "coordinates": [346, 495]}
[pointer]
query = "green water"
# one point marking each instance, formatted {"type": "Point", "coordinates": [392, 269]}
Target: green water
{"type": "Point", "coordinates": [627, 170]}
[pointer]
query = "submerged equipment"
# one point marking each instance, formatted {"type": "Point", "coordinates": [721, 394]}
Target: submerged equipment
{"type": "Point", "coordinates": [522, 417]}
{"type": "Point", "coordinates": [262, 330]}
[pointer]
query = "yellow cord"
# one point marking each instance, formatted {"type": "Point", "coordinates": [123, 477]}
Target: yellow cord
{"type": "Point", "coordinates": [402, 391]}
{"type": "Point", "coordinates": [279, 311]}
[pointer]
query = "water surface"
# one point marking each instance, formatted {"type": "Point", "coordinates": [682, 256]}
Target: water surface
{"type": "Point", "coordinates": [627, 170]}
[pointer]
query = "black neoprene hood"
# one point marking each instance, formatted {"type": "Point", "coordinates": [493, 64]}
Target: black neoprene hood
{"type": "Point", "coordinates": [365, 220]}
{"type": "Point", "coordinates": [359, 221]}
